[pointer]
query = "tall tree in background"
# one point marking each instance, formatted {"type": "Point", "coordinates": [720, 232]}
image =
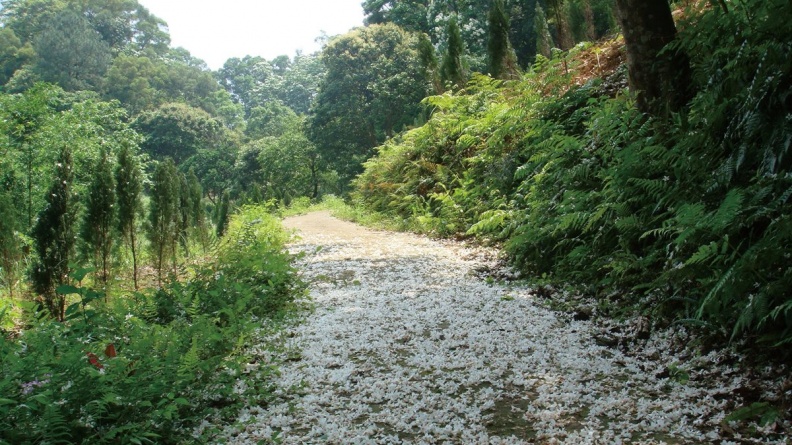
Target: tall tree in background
{"type": "Point", "coordinates": [178, 131]}
{"type": "Point", "coordinates": [97, 226]}
{"type": "Point", "coordinates": [129, 185]}
{"type": "Point", "coordinates": [164, 214]}
{"type": "Point", "coordinates": [560, 18]}
{"type": "Point", "coordinates": [373, 89]}
{"type": "Point", "coordinates": [502, 60]}
{"type": "Point", "coordinates": [428, 57]}
{"type": "Point", "coordinates": [71, 53]}
{"type": "Point", "coordinates": [661, 79]}
{"type": "Point", "coordinates": [452, 70]}
{"type": "Point", "coordinates": [588, 19]}
{"type": "Point", "coordinates": [544, 41]}
{"type": "Point", "coordinates": [53, 235]}
{"type": "Point", "coordinates": [408, 14]}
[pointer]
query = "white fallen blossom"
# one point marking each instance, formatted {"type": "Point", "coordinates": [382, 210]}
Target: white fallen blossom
{"type": "Point", "coordinates": [408, 345]}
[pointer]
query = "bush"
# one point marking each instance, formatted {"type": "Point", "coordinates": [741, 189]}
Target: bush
{"type": "Point", "coordinates": [150, 368]}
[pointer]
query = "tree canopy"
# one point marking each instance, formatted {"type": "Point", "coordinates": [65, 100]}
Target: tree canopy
{"type": "Point", "coordinates": [373, 89]}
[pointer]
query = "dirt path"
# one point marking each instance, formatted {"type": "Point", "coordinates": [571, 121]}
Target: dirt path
{"type": "Point", "coordinates": [408, 345]}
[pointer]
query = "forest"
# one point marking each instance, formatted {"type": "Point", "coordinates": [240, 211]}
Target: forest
{"type": "Point", "coordinates": [642, 162]}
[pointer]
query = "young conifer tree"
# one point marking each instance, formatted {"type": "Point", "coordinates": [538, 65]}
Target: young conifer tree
{"type": "Point", "coordinates": [452, 69]}
{"type": "Point", "coordinates": [97, 225]}
{"type": "Point", "coordinates": [222, 214]}
{"type": "Point", "coordinates": [163, 214]}
{"type": "Point", "coordinates": [53, 235]}
{"type": "Point", "coordinates": [501, 57]}
{"type": "Point", "coordinates": [185, 213]}
{"type": "Point", "coordinates": [129, 185]}
{"type": "Point", "coordinates": [198, 215]}
{"type": "Point", "coordinates": [426, 52]}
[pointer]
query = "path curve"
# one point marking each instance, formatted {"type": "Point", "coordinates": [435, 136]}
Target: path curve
{"type": "Point", "coordinates": [408, 345]}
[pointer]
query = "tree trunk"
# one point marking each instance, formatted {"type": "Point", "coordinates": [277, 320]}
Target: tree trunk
{"type": "Point", "coordinates": [661, 81]}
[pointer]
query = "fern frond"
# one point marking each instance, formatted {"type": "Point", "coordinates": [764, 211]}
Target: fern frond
{"type": "Point", "coordinates": [715, 291]}
{"type": "Point", "coordinates": [729, 210]}
{"type": "Point", "coordinates": [53, 427]}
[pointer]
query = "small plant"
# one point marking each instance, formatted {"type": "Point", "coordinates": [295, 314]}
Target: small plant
{"type": "Point", "coordinates": [761, 412]}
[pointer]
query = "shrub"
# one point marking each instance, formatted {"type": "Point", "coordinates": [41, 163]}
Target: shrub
{"type": "Point", "coordinates": [150, 368]}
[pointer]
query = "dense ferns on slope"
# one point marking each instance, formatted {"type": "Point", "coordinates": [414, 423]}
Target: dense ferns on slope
{"type": "Point", "coordinates": [692, 215]}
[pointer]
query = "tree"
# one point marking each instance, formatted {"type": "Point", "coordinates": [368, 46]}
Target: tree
{"type": "Point", "coordinates": [502, 60]}
{"type": "Point", "coordinates": [282, 168]}
{"type": "Point", "coordinates": [223, 214]}
{"type": "Point", "coordinates": [410, 15]}
{"type": "Point", "coordinates": [452, 71]}
{"type": "Point", "coordinates": [426, 53]}
{"type": "Point", "coordinates": [13, 54]}
{"type": "Point", "coordinates": [185, 213]}
{"type": "Point", "coordinates": [197, 212]}
{"type": "Point", "coordinates": [131, 80]}
{"type": "Point", "coordinates": [582, 20]}
{"type": "Point", "coordinates": [178, 131]}
{"type": "Point", "coordinates": [215, 169]}
{"type": "Point", "coordinates": [660, 77]}
{"type": "Point", "coordinates": [374, 85]}
{"type": "Point", "coordinates": [271, 119]}
{"type": "Point", "coordinates": [129, 185]}
{"type": "Point", "coordinates": [163, 227]}
{"type": "Point", "coordinates": [53, 235]}
{"type": "Point", "coordinates": [245, 79]}
{"type": "Point", "coordinates": [544, 41]}
{"type": "Point", "coordinates": [558, 13]}
{"type": "Point", "coordinates": [71, 53]}
{"type": "Point", "coordinates": [97, 226]}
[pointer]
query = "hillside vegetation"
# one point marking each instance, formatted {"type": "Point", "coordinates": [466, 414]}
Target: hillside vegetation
{"type": "Point", "coordinates": [685, 217]}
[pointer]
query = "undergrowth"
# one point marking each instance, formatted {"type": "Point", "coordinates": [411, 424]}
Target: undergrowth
{"type": "Point", "coordinates": [688, 220]}
{"type": "Point", "coordinates": [151, 367]}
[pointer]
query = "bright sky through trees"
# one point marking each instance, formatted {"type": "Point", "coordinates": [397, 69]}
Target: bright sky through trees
{"type": "Point", "coordinates": [215, 30]}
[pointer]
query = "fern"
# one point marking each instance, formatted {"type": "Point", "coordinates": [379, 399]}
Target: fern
{"type": "Point", "coordinates": [729, 210]}
{"type": "Point", "coordinates": [52, 427]}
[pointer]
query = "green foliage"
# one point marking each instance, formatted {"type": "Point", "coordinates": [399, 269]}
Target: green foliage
{"type": "Point", "coordinates": [544, 41]}
{"type": "Point", "coordinates": [502, 61]}
{"type": "Point", "coordinates": [582, 188]}
{"type": "Point", "coordinates": [150, 368]}
{"type": "Point", "coordinates": [178, 131]}
{"type": "Point", "coordinates": [281, 168]}
{"type": "Point", "coordinates": [129, 186]}
{"type": "Point", "coordinates": [374, 85]}
{"type": "Point", "coordinates": [54, 237]}
{"type": "Point", "coordinates": [164, 217]}
{"type": "Point", "coordinates": [254, 82]}
{"type": "Point", "coordinates": [70, 52]}
{"type": "Point", "coordinates": [223, 215]}
{"type": "Point", "coordinates": [762, 412]}
{"type": "Point", "coordinates": [11, 252]}
{"type": "Point", "coordinates": [99, 219]}
{"type": "Point", "coordinates": [197, 213]}
{"type": "Point", "coordinates": [452, 69]}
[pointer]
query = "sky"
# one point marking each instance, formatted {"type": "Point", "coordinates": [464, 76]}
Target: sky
{"type": "Point", "coordinates": [216, 30]}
